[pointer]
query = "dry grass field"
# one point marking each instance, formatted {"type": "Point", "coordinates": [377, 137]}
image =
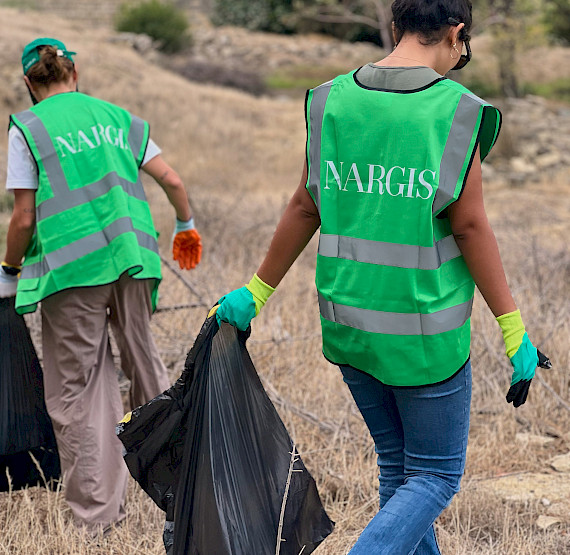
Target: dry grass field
{"type": "Point", "coordinates": [240, 158]}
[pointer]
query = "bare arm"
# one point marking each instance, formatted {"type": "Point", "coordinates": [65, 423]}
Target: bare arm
{"type": "Point", "coordinates": [477, 243]}
{"type": "Point", "coordinates": [295, 229]}
{"type": "Point", "coordinates": [172, 185]}
{"type": "Point", "coordinates": [21, 226]}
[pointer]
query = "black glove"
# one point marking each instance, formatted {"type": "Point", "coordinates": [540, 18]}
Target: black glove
{"type": "Point", "coordinates": [518, 392]}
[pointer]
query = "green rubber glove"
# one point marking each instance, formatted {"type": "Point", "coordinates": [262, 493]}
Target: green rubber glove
{"type": "Point", "coordinates": [523, 355]}
{"type": "Point", "coordinates": [241, 306]}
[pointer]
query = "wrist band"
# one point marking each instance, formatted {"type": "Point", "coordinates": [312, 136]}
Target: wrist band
{"type": "Point", "coordinates": [184, 226]}
{"type": "Point", "coordinates": [10, 269]}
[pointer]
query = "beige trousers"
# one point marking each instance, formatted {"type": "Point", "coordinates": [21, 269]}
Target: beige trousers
{"type": "Point", "coordinates": [82, 390]}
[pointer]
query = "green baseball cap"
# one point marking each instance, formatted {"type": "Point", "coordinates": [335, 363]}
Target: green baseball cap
{"type": "Point", "coordinates": [31, 55]}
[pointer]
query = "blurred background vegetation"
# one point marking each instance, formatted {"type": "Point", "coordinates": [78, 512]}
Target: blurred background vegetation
{"type": "Point", "coordinates": [161, 21]}
{"type": "Point", "coordinates": [510, 26]}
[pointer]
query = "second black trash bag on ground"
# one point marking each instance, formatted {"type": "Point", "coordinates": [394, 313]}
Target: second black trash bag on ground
{"type": "Point", "coordinates": [28, 451]}
{"type": "Point", "coordinates": [239, 487]}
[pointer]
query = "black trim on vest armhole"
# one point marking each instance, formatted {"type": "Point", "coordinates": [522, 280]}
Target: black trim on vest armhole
{"type": "Point", "coordinates": [307, 134]}
{"type": "Point", "coordinates": [145, 147]}
{"type": "Point", "coordinates": [498, 130]}
{"type": "Point", "coordinates": [393, 90]}
{"type": "Point", "coordinates": [27, 143]}
{"type": "Point", "coordinates": [500, 126]}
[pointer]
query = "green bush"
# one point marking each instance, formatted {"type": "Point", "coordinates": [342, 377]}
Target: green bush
{"type": "Point", "coordinates": [255, 15]}
{"type": "Point", "coordinates": [557, 18]}
{"type": "Point", "coordinates": [300, 16]}
{"type": "Point", "coordinates": [161, 21]}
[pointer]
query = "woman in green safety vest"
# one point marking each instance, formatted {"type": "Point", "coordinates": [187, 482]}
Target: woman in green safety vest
{"type": "Point", "coordinates": [393, 180]}
{"type": "Point", "coordinates": [82, 226]}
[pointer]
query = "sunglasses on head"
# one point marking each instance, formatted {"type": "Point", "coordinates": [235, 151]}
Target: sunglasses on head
{"type": "Point", "coordinates": [464, 58]}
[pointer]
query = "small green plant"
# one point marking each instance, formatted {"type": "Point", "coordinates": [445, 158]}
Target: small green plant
{"type": "Point", "coordinates": [299, 78]}
{"type": "Point", "coordinates": [161, 21]}
{"type": "Point", "coordinates": [559, 89]}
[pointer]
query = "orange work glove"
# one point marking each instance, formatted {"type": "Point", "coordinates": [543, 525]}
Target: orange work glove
{"type": "Point", "coordinates": [186, 245]}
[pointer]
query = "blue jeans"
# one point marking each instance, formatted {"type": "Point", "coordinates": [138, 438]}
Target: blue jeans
{"type": "Point", "coordinates": [420, 434]}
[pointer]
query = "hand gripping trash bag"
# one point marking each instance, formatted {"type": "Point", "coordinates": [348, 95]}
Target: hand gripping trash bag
{"type": "Point", "coordinates": [214, 454]}
{"type": "Point", "coordinates": [26, 431]}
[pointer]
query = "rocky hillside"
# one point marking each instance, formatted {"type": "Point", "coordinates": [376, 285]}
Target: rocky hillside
{"type": "Point", "coordinates": [535, 139]}
{"type": "Point", "coordinates": [534, 144]}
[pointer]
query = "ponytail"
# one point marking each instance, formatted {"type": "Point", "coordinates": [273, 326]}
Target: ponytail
{"type": "Point", "coordinates": [51, 68]}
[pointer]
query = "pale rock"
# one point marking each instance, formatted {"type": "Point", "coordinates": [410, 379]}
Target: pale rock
{"type": "Point", "coordinates": [549, 160]}
{"type": "Point", "coordinates": [529, 150]}
{"type": "Point", "coordinates": [140, 42]}
{"type": "Point", "coordinates": [544, 521]}
{"type": "Point", "coordinates": [561, 463]}
{"type": "Point", "coordinates": [520, 165]}
{"type": "Point", "coordinates": [533, 439]}
{"type": "Point", "coordinates": [143, 43]}
{"type": "Point", "coordinates": [560, 510]}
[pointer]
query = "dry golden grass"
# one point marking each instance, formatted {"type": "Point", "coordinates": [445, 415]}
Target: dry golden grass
{"type": "Point", "coordinates": [240, 158]}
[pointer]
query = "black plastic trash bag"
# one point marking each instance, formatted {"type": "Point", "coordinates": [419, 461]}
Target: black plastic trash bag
{"type": "Point", "coordinates": [26, 431]}
{"type": "Point", "coordinates": [214, 454]}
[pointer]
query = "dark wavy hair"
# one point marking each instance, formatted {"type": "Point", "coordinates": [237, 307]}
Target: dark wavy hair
{"type": "Point", "coordinates": [430, 18]}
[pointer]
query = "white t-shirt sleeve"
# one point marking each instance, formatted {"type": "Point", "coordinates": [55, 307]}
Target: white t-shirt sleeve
{"type": "Point", "coordinates": [22, 170]}
{"type": "Point", "coordinates": [152, 150]}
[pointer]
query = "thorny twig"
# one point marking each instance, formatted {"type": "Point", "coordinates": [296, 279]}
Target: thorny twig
{"type": "Point", "coordinates": [546, 386]}
{"type": "Point", "coordinates": [293, 460]}
{"type": "Point", "coordinates": [178, 307]}
{"type": "Point", "coordinates": [328, 427]}
{"type": "Point", "coordinates": [185, 282]}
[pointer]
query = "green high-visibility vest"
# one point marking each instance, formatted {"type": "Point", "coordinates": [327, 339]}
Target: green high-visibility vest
{"type": "Point", "coordinates": [93, 222]}
{"type": "Point", "coordinates": [395, 294]}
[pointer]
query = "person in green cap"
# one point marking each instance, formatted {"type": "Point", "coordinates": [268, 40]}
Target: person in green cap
{"type": "Point", "coordinates": [393, 179]}
{"type": "Point", "coordinates": [82, 240]}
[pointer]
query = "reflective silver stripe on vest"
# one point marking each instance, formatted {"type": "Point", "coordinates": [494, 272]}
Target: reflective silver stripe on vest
{"type": "Point", "coordinates": [389, 254]}
{"type": "Point", "coordinates": [396, 323]}
{"type": "Point", "coordinates": [80, 196]}
{"type": "Point", "coordinates": [87, 245]}
{"type": "Point", "coordinates": [63, 198]}
{"type": "Point", "coordinates": [317, 110]}
{"type": "Point", "coordinates": [46, 150]}
{"type": "Point", "coordinates": [136, 137]}
{"type": "Point", "coordinates": [456, 150]}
